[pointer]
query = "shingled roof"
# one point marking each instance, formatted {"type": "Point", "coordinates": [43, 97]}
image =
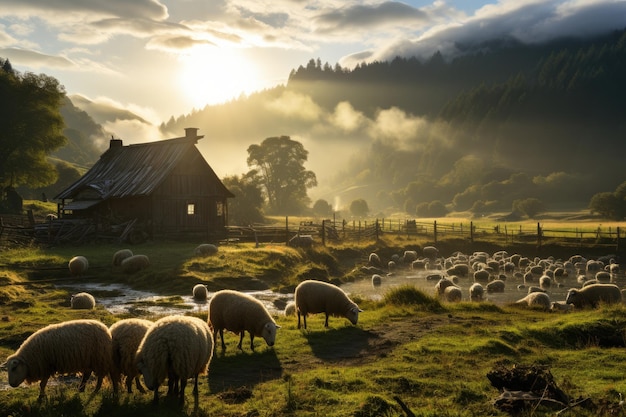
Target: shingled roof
{"type": "Point", "coordinates": [135, 170]}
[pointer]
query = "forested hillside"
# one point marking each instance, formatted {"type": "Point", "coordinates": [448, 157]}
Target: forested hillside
{"type": "Point", "coordinates": [503, 122]}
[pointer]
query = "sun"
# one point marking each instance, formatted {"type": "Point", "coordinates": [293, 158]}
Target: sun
{"type": "Point", "coordinates": [212, 75]}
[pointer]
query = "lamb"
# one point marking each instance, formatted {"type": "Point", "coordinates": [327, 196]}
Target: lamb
{"type": "Point", "coordinates": [200, 292]}
{"type": "Point", "coordinates": [321, 297]}
{"type": "Point", "coordinates": [82, 301]}
{"type": "Point", "coordinates": [593, 295]}
{"type": "Point", "coordinates": [476, 292]}
{"type": "Point", "coordinates": [83, 346]}
{"type": "Point", "coordinates": [561, 306]}
{"type": "Point", "coordinates": [290, 308]}
{"type": "Point", "coordinates": [78, 265]}
{"type": "Point", "coordinates": [135, 264]}
{"type": "Point", "coordinates": [176, 347]}
{"type": "Point", "coordinates": [238, 313]}
{"type": "Point", "coordinates": [205, 249]}
{"type": "Point", "coordinates": [120, 255]}
{"type": "Point", "coordinates": [126, 335]}
{"type": "Point", "coordinates": [536, 299]}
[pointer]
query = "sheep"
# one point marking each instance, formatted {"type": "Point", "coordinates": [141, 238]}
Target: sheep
{"type": "Point", "coordinates": [481, 276]}
{"type": "Point", "coordinates": [430, 252]}
{"type": "Point", "coordinates": [290, 308]}
{"type": "Point", "coordinates": [536, 299]}
{"type": "Point", "coordinates": [476, 292]}
{"type": "Point", "coordinates": [453, 294]}
{"type": "Point", "coordinates": [497, 285]}
{"type": "Point", "coordinates": [120, 255]}
{"type": "Point", "coordinates": [441, 286]}
{"type": "Point", "coordinates": [409, 256]}
{"type": "Point", "coordinates": [78, 265]}
{"type": "Point", "coordinates": [126, 335]}
{"type": "Point", "coordinates": [82, 301]}
{"type": "Point", "coordinates": [545, 282]}
{"type": "Point", "coordinates": [176, 347]}
{"type": "Point", "coordinates": [377, 280]}
{"type": "Point", "coordinates": [374, 260]}
{"type": "Point", "coordinates": [561, 306]}
{"type": "Point", "coordinates": [83, 346]}
{"type": "Point", "coordinates": [321, 297]}
{"type": "Point", "coordinates": [593, 295]}
{"type": "Point", "coordinates": [603, 277]}
{"type": "Point", "coordinates": [135, 263]}
{"type": "Point", "coordinates": [238, 313]}
{"type": "Point", "coordinates": [205, 249]}
{"type": "Point", "coordinates": [200, 292]}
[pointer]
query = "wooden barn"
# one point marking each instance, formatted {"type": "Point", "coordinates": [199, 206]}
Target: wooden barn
{"type": "Point", "coordinates": [156, 189]}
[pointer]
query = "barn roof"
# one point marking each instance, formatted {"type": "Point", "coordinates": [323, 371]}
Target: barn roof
{"type": "Point", "coordinates": [135, 170]}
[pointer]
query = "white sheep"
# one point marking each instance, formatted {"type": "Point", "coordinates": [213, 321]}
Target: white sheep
{"type": "Point", "coordinates": [290, 309]}
{"type": "Point", "coordinates": [377, 280]}
{"type": "Point", "coordinates": [205, 249]}
{"type": "Point", "coordinates": [441, 286]}
{"type": "Point", "coordinates": [78, 265]}
{"type": "Point", "coordinates": [374, 260]}
{"type": "Point", "coordinates": [476, 292]}
{"type": "Point", "coordinates": [126, 335]}
{"type": "Point", "coordinates": [238, 312]}
{"type": "Point", "coordinates": [593, 295]}
{"type": "Point", "coordinates": [200, 292]}
{"type": "Point", "coordinates": [321, 297]}
{"type": "Point", "coordinates": [561, 306]}
{"type": "Point", "coordinates": [453, 294]}
{"type": "Point", "coordinates": [120, 255]}
{"type": "Point", "coordinates": [482, 275]}
{"type": "Point", "coordinates": [430, 252]}
{"type": "Point", "coordinates": [135, 263]}
{"type": "Point", "coordinates": [83, 346]}
{"type": "Point", "coordinates": [497, 285]}
{"type": "Point", "coordinates": [176, 348]}
{"type": "Point", "coordinates": [545, 282]}
{"type": "Point", "coordinates": [540, 299]}
{"type": "Point", "coordinates": [82, 301]}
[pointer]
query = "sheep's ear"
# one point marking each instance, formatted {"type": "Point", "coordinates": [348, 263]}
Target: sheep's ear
{"type": "Point", "coordinates": [277, 326]}
{"type": "Point", "coordinates": [4, 366]}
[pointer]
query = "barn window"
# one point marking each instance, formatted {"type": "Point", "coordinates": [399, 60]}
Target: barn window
{"type": "Point", "coordinates": [191, 208]}
{"type": "Point", "coordinates": [219, 208]}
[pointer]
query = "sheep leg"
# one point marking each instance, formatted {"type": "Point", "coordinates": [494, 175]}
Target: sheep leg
{"type": "Point", "coordinates": [298, 311]}
{"type": "Point", "coordinates": [195, 386]}
{"type": "Point", "coordinates": [251, 341]}
{"type": "Point", "coordinates": [42, 387]}
{"type": "Point", "coordinates": [139, 386]}
{"type": "Point", "coordinates": [155, 399]}
{"type": "Point", "coordinates": [99, 384]}
{"type": "Point", "coordinates": [326, 322]}
{"type": "Point", "coordinates": [242, 334]}
{"type": "Point", "coordinates": [183, 384]}
{"type": "Point", "coordinates": [83, 381]}
{"type": "Point", "coordinates": [221, 337]}
{"type": "Point", "coordinates": [129, 384]}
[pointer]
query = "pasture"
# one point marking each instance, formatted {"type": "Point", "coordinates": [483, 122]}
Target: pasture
{"type": "Point", "coordinates": [407, 349]}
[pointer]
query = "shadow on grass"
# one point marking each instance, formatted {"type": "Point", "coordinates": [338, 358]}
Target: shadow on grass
{"type": "Point", "coordinates": [339, 344]}
{"type": "Point", "coordinates": [235, 370]}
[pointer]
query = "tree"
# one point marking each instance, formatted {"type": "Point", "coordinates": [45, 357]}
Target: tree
{"type": "Point", "coordinates": [608, 205]}
{"type": "Point", "coordinates": [31, 126]}
{"type": "Point", "coordinates": [246, 207]}
{"type": "Point", "coordinates": [529, 206]}
{"type": "Point", "coordinates": [322, 208]}
{"type": "Point", "coordinates": [280, 167]}
{"type": "Point", "coordinates": [359, 208]}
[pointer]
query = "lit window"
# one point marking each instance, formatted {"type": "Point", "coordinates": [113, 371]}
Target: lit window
{"type": "Point", "coordinates": [220, 208]}
{"type": "Point", "coordinates": [191, 208]}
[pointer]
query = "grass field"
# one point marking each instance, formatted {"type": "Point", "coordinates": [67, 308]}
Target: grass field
{"type": "Point", "coordinates": [433, 357]}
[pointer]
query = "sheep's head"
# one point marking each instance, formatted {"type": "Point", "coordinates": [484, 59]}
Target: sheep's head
{"type": "Point", "coordinates": [353, 314]}
{"type": "Point", "coordinates": [571, 296]}
{"type": "Point", "coordinates": [269, 332]}
{"type": "Point", "coordinates": [18, 371]}
{"type": "Point", "coordinates": [149, 378]}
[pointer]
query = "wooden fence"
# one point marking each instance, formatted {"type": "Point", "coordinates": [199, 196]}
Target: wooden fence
{"type": "Point", "coordinates": [337, 231]}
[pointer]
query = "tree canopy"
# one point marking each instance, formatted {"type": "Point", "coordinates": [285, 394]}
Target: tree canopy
{"type": "Point", "coordinates": [279, 163]}
{"type": "Point", "coordinates": [247, 206]}
{"type": "Point", "coordinates": [31, 126]}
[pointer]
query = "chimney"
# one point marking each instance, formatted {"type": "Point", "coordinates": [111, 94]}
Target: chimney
{"type": "Point", "coordinates": [191, 132]}
{"type": "Point", "coordinates": [115, 143]}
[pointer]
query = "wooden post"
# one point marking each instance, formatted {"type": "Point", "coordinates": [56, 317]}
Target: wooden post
{"type": "Point", "coordinates": [323, 232]}
{"type": "Point", "coordinates": [377, 232]}
{"type": "Point", "coordinates": [472, 232]}
{"type": "Point", "coordinates": [617, 237]}
{"type": "Point", "coordinates": [435, 230]}
{"type": "Point", "coordinates": [287, 230]}
{"type": "Point", "coordinates": [538, 235]}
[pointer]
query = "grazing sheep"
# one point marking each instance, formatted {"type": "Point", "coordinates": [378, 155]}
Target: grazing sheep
{"type": "Point", "coordinates": [453, 294]}
{"type": "Point", "coordinates": [461, 270]}
{"type": "Point", "coordinates": [476, 292]}
{"type": "Point", "coordinates": [441, 286]}
{"type": "Point", "coordinates": [533, 288]}
{"type": "Point", "coordinates": [73, 346]}
{"type": "Point", "coordinates": [135, 264]}
{"type": "Point", "coordinates": [374, 260]}
{"type": "Point", "coordinates": [290, 308]}
{"type": "Point", "coordinates": [545, 282]}
{"type": "Point", "coordinates": [321, 297]}
{"type": "Point", "coordinates": [78, 265]}
{"type": "Point", "coordinates": [593, 295]}
{"type": "Point", "coordinates": [603, 277]}
{"type": "Point", "coordinates": [497, 285]}
{"type": "Point", "coordinates": [482, 276]}
{"type": "Point", "coordinates": [536, 299]}
{"type": "Point", "coordinates": [560, 306]}
{"type": "Point", "coordinates": [120, 255]}
{"type": "Point", "coordinates": [430, 252]}
{"type": "Point", "coordinates": [205, 249]}
{"type": "Point", "coordinates": [419, 264]}
{"type": "Point", "coordinates": [238, 313]}
{"type": "Point", "coordinates": [377, 280]}
{"type": "Point", "coordinates": [127, 334]}
{"type": "Point", "coordinates": [200, 292]}
{"type": "Point", "coordinates": [409, 256]}
{"type": "Point", "coordinates": [83, 301]}
{"type": "Point", "coordinates": [176, 347]}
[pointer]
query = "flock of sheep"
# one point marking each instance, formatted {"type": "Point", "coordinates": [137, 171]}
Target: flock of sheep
{"type": "Point", "coordinates": [591, 281]}
{"type": "Point", "coordinates": [175, 347]}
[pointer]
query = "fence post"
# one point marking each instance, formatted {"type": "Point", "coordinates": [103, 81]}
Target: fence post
{"type": "Point", "coordinates": [323, 232]}
{"type": "Point", "coordinates": [472, 232]}
{"type": "Point", "coordinates": [287, 230]}
{"type": "Point", "coordinates": [435, 230]}
{"type": "Point", "coordinates": [538, 235]}
{"type": "Point", "coordinates": [617, 241]}
{"type": "Point", "coordinates": [377, 226]}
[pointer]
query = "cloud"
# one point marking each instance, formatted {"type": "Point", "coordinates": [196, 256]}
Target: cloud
{"type": "Point", "coordinates": [296, 105]}
{"type": "Point", "coordinates": [531, 21]}
{"type": "Point", "coordinates": [147, 9]}
{"type": "Point", "coordinates": [346, 118]}
{"type": "Point", "coordinates": [366, 16]}
{"type": "Point", "coordinates": [35, 59]}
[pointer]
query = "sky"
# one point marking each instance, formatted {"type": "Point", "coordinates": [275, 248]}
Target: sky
{"type": "Point", "coordinates": [163, 58]}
